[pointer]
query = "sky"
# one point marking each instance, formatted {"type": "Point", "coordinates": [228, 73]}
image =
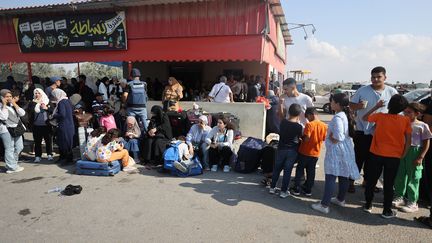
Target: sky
{"type": "Point", "coordinates": [351, 38]}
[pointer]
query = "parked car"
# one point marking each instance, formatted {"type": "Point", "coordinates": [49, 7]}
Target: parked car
{"type": "Point", "coordinates": [418, 95]}
{"type": "Point", "coordinates": [323, 101]}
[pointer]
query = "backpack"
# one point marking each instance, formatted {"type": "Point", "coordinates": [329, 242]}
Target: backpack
{"type": "Point", "coordinates": [171, 155]}
{"type": "Point", "coordinates": [137, 96]}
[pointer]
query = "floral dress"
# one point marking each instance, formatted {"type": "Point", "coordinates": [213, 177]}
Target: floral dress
{"type": "Point", "coordinates": [90, 149]}
{"type": "Point", "coordinates": [104, 152]}
{"type": "Point", "coordinates": [340, 158]}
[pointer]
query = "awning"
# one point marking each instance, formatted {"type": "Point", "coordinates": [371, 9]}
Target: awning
{"type": "Point", "coordinates": [215, 48]}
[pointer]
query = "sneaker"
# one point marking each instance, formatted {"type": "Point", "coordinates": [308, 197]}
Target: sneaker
{"type": "Point", "coordinates": [226, 168]}
{"type": "Point", "coordinates": [320, 208]}
{"type": "Point", "coordinates": [129, 169]}
{"type": "Point", "coordinates": [37, 160]}
{"type": "Point", "coordinates": [390, 214]}
{"type": "Point", "coordinates": [336, 201]}
{"type": "Point", "coordinates": [50, 157]}
{"type": "Point", "coordinates": [317, 166]}
{"type": "Point", "coordinates": [368, 207]}
{"type": "Point", "coordinates": [398, 202]}
{"type": "Point", "coordinates": [295, 191]}
{"type": "Point", "coordinates": [306, 192]}
{"type": "Point", "coordinates": [214, 168]}
{"type": "Point", "coordinates": [180, 166]}
{"type": "Point", "coordinates": [18, 169]}
{"type": "Point", "coordinates": [272, 190]}
{"type": "Point", "coordinates": [410, 208]}
{"type": "Point", "coordinates": [284, 194]}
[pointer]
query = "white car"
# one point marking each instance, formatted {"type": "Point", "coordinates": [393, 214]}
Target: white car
{"type": "Point", "coordinates": [418, 95]}
{"type": "Point", "coordinates": [323, 101]}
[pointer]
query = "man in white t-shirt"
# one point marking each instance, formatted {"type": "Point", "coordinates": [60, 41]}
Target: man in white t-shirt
{"type": "Point", "coordinates": [292, 96]}
{"type": "Point", "coordinates": [221, 92]}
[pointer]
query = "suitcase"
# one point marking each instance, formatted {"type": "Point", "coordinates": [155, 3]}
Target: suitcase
{"type": "Point", "coordinates": [249, 155]}
{"type": "Point", "coordinates": [84, 167]}
{"type": "Point", "coordinates": [268, 158]}
{"type": "Point", "coordinates": [195, 169]}
{"type": "Point", "coordinates": [178, 121]}
{"type": "Point", "coordinates": [232, 118]}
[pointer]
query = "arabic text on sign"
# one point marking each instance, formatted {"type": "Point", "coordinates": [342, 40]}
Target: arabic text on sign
{"type": "Point", "coordinates": [48, 25]}
{"type": "Point", "coordinates": [84, 28]}
{"type": "Point", "coordinates": [60, 25]}
{"type": "Point", "coordinates": [37, 26]}
{"type": "Point", "coordinates": [24, 27]}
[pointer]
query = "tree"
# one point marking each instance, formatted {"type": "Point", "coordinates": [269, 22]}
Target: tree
{"type": "Point", "coordinates": [97, 71]}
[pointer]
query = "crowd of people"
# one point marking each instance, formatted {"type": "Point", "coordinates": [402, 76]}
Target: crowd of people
{"type": "Point", "coordinates": [376, 131]}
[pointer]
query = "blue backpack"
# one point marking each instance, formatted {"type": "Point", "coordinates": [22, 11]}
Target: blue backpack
{"type": "Point", "coordinates": [137, 96]}
{"type": "Point", "coordinates": [171, 155]}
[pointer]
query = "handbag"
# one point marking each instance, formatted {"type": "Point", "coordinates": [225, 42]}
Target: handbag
{"type": "Point", "coordinates": [17, 131]}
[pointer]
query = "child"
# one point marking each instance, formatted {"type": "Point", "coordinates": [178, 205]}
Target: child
{"type": "Point", "coordinates": [93, 142]}
{"type": "Point", "coordinates": [313, 136]}
{"type": "Point", "coordinates": [410, 167]}
{"type": "Point", "coordinates": [107, 120]}
{"type": "Point", "coordinates": [290, 133]}
{"type": "Point", "coordinates": [390, 143]}
{"type": "Point", "coordinates": [110, 149]}
{"type": "Point", "coordinates": [185, 156]}
{"type": "Point", "coordinates": [132, 134]}
{"type": "Point", "coordinates": [339, 159]}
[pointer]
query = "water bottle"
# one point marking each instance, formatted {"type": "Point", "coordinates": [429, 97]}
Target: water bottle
{"type": "Point", "coordinates": [56, 189]}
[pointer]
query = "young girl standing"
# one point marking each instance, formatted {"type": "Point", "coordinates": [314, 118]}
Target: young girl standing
{"type": "Point", "coordinates": [410, 168]}
{"type": "Point", "coordinates": [107, 120]}
{"type": "Point", "coordinates": [339, 160]}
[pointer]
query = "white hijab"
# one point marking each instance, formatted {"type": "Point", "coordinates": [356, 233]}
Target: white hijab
{"type": "Point", "coordinates": [58, 95]}
{"type": "Point", "coordinates": [42, 100]}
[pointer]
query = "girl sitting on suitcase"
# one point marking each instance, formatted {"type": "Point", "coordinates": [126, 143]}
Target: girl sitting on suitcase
{"type": "Point", "coordinates": [220, 140]}
{"type": "Point", "coordinates": [93, 142]}
{"type": "Point", "coordinates": [111, 149]}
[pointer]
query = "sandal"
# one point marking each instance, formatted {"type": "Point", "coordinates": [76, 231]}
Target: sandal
{"type": "Point", "coordinates": [426, 221]}
{"type": "Point", "coordinates": [266, 181]}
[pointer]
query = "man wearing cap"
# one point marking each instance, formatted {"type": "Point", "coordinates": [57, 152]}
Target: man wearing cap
{"type": "Point", "coordinates": [135, 97]}
{"type": "Point", "coordinates": [195, 140]}
{"type": "Point", "coordinates": [292, 96]}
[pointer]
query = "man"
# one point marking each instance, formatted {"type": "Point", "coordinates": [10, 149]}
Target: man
{"type": "Point", "coordinates": [55, 83]}
{"type": "Point", "coordinates": [86, 93]}
{"type": "Point", "coordinates": [66, 87]}
{"type": "Point", "coordinates": [363, 100]}
{"type": "Point", "coordinates": [221, 93]}
{"type": "Point", "coordinates": [292, 96]}
{"type": "Point", "coordinates": [97, 107]}
{"type": "Point", "coordinates": [135, 97]}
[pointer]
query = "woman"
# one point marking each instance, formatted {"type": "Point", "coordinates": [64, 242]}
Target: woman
{"type": "Point", "coordinates": [172, 94]}
{"type": "Point", "coordinates": [131, 136]}
{"type": "Point", "coordinates": [39, 116]}
{"type": "Point", "coordinates": [63, 113]}
{"type": "Point", "coordinates": [10, 114]}
{"type": "Point", "coordinates": [220, 140]}
{"type": "Point", "coordinates": [158, 136]}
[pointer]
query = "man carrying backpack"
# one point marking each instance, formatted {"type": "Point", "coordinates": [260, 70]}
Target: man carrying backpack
{"type": "Point", "coordinates": [135, 97]}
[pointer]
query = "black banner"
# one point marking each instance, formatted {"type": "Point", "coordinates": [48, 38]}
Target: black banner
{"type": "Point", "coordinates": [104, 31]}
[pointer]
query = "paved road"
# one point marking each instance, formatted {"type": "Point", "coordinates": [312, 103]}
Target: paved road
{"type": "Point", "coordinates": [214, 207]}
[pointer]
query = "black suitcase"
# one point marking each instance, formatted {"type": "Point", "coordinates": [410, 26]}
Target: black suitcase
{"type": "Point", "coordinates": [178, 121]}
{"type": "Point", "coordinates": [249, 155]}
{"type": "Point", "coordinates": [268, 157]}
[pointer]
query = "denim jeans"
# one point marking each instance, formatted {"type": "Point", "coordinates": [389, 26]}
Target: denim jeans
{"type": "Point", "coordinates": [204, 147]}
{"type": "Point", "coordinates": [13, 147]}
{"type": "Point", "coordinates": [140, 113]}
{"type": "Point", "coordinates": [285, 160]}
{"type": "Point", "coordinates": [308, 163]}
{"type": "Point", "coordinates": [330, 184]}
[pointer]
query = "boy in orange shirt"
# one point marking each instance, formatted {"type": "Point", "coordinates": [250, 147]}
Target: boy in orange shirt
{"type": "Point", "coordinates": [390, 143]}
{"type": "Point", "coordinates": [313, 136]}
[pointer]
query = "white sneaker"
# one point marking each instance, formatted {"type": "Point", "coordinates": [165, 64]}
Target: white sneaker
{"type": "Point", "coordinates": [214, 168]}
{"type": "Point", "coordinates": [272, 190]}
{"type": "Point", "coordinates": [317, 166]}
{"type": "Point", "coordinates": [18, 169]}
{"type": "Point", "coordinates": [129, 169]}
{"type": "Point", "coordinates": [180, 166]}
{"type": "Point", "coordinates": [398, 202]}
{"type": "Point", "coordinates": [50, 157]}
{"type": "Point", "coordinates": [320, 208]}
{"type": "Point", "coordinates": [284, 194]}
{"type": "Point", "coordinates": [37, 159]}
{"type": "Point", "coordinates": [410, 208]}
{"type": "Point", "coordinates": [226, 168]}
{"type": "Point", "coordinates": [336, 201]}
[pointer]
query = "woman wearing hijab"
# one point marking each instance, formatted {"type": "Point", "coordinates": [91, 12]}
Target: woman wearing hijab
{"type": "Point", "coordinates": [131, 136]}
{"type": "Point", "coordinates": [10, 114]}
{"type": "Point", "coordinates": [63, 113]}
{"type": "Point", "coordinates": [39, 115]}
{"type": "Point", "coordinates": [172, 94]}
{"type": "Point", "coordinates": [158, 136]}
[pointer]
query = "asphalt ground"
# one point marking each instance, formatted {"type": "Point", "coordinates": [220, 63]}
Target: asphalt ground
{"type": "Point", "coordinates": [146, 206]}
